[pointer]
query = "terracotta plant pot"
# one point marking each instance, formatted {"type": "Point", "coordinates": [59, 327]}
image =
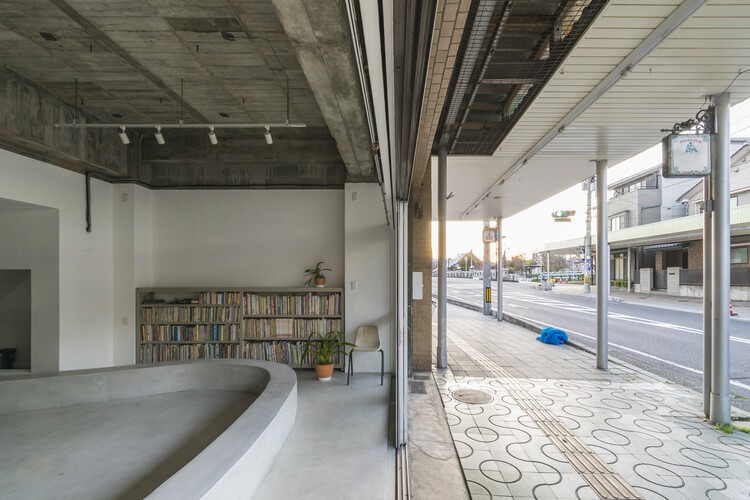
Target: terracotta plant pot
{"type": "Point", "coordinates": [320, 282]}
{"type": "Point", "coordinates": [324, 372]}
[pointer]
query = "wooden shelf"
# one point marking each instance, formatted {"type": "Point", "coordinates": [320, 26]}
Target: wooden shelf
{"type": "Point", "coordinates": [283, 347]}
{"type": "Point", "coordinates": [189, 341]}
{"type": "Point", "coordinates": [161, 304]}
{"type": "Point", "coordinates": [196, 323]}
{"type": "Point", "coordinates": [293, 316]}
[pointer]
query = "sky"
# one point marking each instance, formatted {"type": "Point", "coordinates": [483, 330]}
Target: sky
{"type": "Point", "coordinates": [465, 236]}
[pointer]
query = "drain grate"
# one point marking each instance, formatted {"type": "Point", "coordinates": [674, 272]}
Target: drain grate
{"type": "Point", "coordinates": [416, 387]}
{"type": "Point", "coordinates": [421, 377]}
{"type": "Point", "coordinates": [471, 396]}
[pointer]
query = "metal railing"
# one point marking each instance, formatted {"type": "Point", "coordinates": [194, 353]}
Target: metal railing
{"type": "Point", "coordinates": [738, 276]}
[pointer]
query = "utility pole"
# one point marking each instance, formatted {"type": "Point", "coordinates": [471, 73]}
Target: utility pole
{"type": "Point", "coordinates": [587, 259]}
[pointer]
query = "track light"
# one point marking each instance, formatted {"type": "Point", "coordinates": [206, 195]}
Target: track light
{"type": "Point", "coordinates": [269, 139]}
{"type": "Point", "coordinates": [123, 136]}
{"type": "Point", "coordinates": [212, 136]}
{"type": "Point", "coordinates": [159, 137]}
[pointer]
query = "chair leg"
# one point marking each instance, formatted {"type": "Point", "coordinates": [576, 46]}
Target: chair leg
{"type": "Point", "coordinates": [351, 366]}
{"type": "Point", "coordinates": [382, 365]}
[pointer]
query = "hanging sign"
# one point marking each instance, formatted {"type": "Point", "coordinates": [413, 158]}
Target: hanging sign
{"type": "Point", "coordinates": [490, 235]}
{"type": "Point", "coordinates": [686, 155]}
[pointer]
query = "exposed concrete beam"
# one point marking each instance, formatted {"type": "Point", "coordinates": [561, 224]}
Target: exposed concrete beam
{"type": "Point", "coordinates": [318, 32]}
{"type": "Point", "coordinates": [27, 115]}
{"type": "Point", "coordinates": [196, 175]}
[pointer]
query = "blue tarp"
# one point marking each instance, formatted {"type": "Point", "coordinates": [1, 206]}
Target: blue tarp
{"type": "Point", "coordinates": [553, 336]}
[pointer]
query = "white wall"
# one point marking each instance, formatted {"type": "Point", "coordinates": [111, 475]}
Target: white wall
{"type": "Point", "coordinates": [30, 242]}
{"type": "Point", "coordinates": [367, 242]}
{"type": "Point", "coordinates": [85, 259]}
{"type": "Point", "coordinates": [246, 238]}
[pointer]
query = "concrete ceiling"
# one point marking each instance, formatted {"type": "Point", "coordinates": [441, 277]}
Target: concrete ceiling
{"type": "Point", "coordinates": [238, 61]}
{"type": "Point", "coordinates": [639, 67]}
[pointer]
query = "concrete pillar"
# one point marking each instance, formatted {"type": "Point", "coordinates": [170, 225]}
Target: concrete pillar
{"type": "Point", "coordinates": [486, 276]}
{"type": "Point", "coordinates": [499, 221]}
{"type": "Point", "coordinates": [721, 401]}
{"type": "Point", "coordinates": [707, 316]}
{"type": "Point", "coordinates": [646, 279]}
{"type": "Point", "coordinates": [673, 281]}
{"type": "Point", "coordinates": [442, 196]}
{"type": "Point", "coordinates": [602, 266]}
{"type": "Point", "coordinates": [629, 268]}
{"type": "Point", "coordinates": [420, 228]}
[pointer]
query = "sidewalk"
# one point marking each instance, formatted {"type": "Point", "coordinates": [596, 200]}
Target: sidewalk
{"type": "Point", "coordinates": [553, 426]}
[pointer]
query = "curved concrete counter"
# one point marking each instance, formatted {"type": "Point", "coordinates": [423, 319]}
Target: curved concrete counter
{"type": "Point", "coordinates": [234, 464]}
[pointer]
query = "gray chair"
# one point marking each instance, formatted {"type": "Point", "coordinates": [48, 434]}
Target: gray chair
{"type": "Point", "coordinates": [367, 340]}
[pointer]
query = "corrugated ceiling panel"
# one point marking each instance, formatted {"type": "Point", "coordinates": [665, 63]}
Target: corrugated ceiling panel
{"type": "Point", "coordinates": [700, 57]}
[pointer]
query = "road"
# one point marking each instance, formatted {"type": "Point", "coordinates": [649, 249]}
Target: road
{"type": "Point", "coordinates": [668, 342]}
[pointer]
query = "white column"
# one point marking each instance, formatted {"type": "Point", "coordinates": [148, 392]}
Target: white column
{"type": "Point", "coordinates": [499, 221]}
{"type": "Point", "coordinates": [707, 317]}
{"type": "Point", "coordinates": [442, 349]}
{"type": "Point", "coordinates": [602, 265]}
{"type": "Point", "coordinates": [721, 401]}
{"type": "Point", "coordinates": [486, 278]}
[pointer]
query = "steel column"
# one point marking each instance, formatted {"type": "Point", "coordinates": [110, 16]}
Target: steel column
{"type": "Point", "coordinates": [402, 321]}
{"type": "Point", "coordinates": [442, 196]}
{"type": "Point", "coordinates": [499, 221]}
{"type": "Point", "coordinates": [487, 276]}
{"type": "Point", "coordinates": [602, 265]}
{"type": "Point", "coordinates": [721, 401]}
{"type": "Point", "coordinates": [587, 241]}
{"type": "Point", "coordinates": [707, 317]}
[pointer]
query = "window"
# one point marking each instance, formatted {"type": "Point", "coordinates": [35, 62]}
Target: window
{"type": "Point", "coordinates": [733, 201]}
{"type": "Point", "coordinates": [617, 223]}
{"type": "Point", "coordinates": [738, 255]}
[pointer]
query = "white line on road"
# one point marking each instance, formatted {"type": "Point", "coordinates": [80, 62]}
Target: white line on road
{"type": "Point", "coordinates": [640, 353]}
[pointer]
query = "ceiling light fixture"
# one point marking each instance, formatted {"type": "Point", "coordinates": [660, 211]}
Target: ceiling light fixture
{"type": "Point", "coordinates": [212, 136]}
{"type": "Point", "coordinates": [123, 136]}
{"type": "Point", "coordinates": [228, 36]}
{"type": "Point", "coordinates": [48, 36]}
{"type": "Point", "coordinates": [159, 137]}
{"type": "Point", "coordinates": [267, 135]}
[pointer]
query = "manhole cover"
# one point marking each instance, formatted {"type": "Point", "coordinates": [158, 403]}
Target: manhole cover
{"type": "Point", "coordinates": [472, 396]}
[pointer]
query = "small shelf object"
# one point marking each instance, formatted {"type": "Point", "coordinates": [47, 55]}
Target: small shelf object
{"type": "Point", "coordinates": [269, 324]}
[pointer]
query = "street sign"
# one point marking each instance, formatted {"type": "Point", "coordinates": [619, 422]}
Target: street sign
{"type": "Point", "coordinates": [686, 155]}
{"type": "Point", "coordinates": [489, 235]}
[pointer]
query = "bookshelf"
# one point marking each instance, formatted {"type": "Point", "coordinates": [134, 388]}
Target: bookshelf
{"type": "Point", "coordinates": [248, 323]}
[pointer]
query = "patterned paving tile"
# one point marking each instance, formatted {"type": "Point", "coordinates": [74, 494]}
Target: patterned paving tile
{"type": "Point", "coordinates": [651, 434]}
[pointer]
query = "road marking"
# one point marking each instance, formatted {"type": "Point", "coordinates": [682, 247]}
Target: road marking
{"type": "Point", "coordinates": [635, 351]}
{"type": "Point", "coordinates": [632, 319]}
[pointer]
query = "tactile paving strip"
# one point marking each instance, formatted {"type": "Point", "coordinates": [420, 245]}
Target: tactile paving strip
{"type": "Point", "coordinates": [605, 482]}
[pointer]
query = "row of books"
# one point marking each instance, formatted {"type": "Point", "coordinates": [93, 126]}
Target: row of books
{"type": "Point", "coordinates": [289, 327]}
{"type": "Point", "coordinates": [155, 353]}
{"type": "Point", "coordinates": [184, 314]}
{"type": "Point", "coordinates": [181, 333]}
{"type": "Point", "coordinates": [233, 298]}
{"type": "Point", "coordinates": [280, 352]}
{"type": "Point", "coordinates": [287, 305]}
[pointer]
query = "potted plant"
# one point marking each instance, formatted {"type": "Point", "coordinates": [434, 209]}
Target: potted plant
{"type": "Point", "coordinates": [325, 346]}
{"type": "Point", "coordinates": [316, 274]}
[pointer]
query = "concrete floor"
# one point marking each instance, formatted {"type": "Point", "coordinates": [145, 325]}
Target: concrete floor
{"type": "Point", "coordinates": [116, 450]}
{"type": "Point", "coordinates": [339, 446]}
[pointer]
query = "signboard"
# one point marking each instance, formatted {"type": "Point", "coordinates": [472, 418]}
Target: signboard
{"type": "Point", "coordinates": [686, 155]}
{"type": "Point", "coordinates": [489, 235]}
{"type": "Point", "coordinates": [587, 278]}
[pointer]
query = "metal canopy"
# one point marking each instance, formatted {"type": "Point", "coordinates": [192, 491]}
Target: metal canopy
{"type": "Point", "coordinates": [684, 51]}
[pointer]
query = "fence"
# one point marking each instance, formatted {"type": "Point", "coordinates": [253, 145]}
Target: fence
{"type": "Point", "coordinates": [738, 276]}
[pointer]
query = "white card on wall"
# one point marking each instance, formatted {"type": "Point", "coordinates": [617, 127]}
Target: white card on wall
{"type": "Point", "coordinates": [416, 285]}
